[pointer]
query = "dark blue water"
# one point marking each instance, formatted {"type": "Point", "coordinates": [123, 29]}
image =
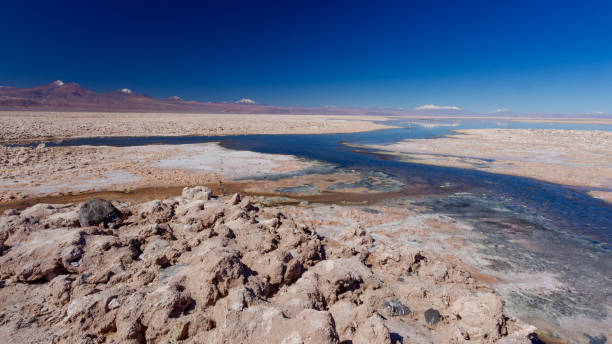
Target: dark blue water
{"type": "Point", "coordinates": [567, 209]}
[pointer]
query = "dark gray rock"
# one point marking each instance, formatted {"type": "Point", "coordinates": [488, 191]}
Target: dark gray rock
{"type": "Point", "coordinates": [432, 316]}
{"type": "Point", "coordinates": [96, 211]}
{"type": "Point", "coordinates": [395, 308]}
{"type": "Point", "coordinates": [601, 339]}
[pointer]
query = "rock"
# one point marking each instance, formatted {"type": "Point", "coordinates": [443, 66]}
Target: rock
{"type": "Point", "coordinates": [438, 271]}
{"type": "Point", "coordinates": [96, 211]}
{"type": "Point", "coordinates": [341, 278]}
{"type": "Point", "coordinates": [181, 331]}
{"type": "Point", "coordinates": [235, 199]}
{"type": "Point", "coordinates": [39, 211]}
{"type": "Point", "coordinates": [113, 303]}
{"type": "Point", "coordinates": [372, 331]}
{"type": "Point", "coordinates": [395, 308]}
{"type": "Point", "coordinates": [197, 193]}
{"type": "Point", "coordinates": [479, 317]}
{"type": "Point", "coordinates": [247, 205]}
{"type": "Point", "coordinates": [200, 213]}
{"type": "Point", "coordinates": [155, 211]}
{"type": "Point", "coordinates": [266, 324]}
{"type": "Point", "coordinates": [59, 289]}
{"type": "Point", "coordinates": [44, 255]}
{"type": "Point", "coordinates": [251, 278]}
{"type": "Point", "coordinates": [131, 331]}
{"type": "Point", "coordinates": [432, 317]}
{"type": "Point", "coordinates": [224, 231]}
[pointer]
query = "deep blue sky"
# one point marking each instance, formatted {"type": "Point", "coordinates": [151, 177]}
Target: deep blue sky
{"type": "Point", "coordinates": [528, 56]}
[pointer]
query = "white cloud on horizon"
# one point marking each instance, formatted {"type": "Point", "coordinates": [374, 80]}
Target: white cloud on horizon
{"type": "Point", "coordinates": [500, 110]}
{"type": "Point", "coordinates": [437, 107]}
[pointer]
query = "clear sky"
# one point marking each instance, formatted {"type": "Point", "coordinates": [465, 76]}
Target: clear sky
{"type": "Point", "coordinates": [526, 56]}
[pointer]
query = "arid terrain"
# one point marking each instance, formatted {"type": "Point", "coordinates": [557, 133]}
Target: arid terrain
{"type": "Point", "coordinates": [298, 172]}
{"type": "Point", "coordinates": [28, 172]}
{"type": "Point", "coordinates": [316, 253]}
{"type": "Point", "coordinates": [31, 125]}
{"type": "Point", "coordinates": [570, 157]}
{"type": "Point", "coordinates": [202, 269]}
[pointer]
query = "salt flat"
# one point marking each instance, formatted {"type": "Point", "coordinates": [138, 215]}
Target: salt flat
{"type": "Point", "coordinates": [37, 125]}
{"type": "Point", "coordinates": [42, 171]}
{"type": "Point", "coordinates": [570, 157]}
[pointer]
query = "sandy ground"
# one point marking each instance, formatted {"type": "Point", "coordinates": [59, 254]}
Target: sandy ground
{"type": "Point", "coordinates": [28, 172]}
{"type": "Point", "coordinates": [570, 157]}
{"type": "Point", "coordinates": [30, 125]}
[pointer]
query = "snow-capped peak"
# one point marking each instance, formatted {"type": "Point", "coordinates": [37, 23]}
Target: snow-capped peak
{"type": "Point", "coordinates": [126, 91]}
{"type": "Point", "coordinates": [58, 83]}
{"type": "Point", "coordinates": [176, 98]}
{"type": "Point", "coordinates": [246, 101]}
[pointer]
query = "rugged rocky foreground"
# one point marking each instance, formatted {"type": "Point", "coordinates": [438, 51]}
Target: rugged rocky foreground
{"type": "Point", "coordinates": [202, 269]}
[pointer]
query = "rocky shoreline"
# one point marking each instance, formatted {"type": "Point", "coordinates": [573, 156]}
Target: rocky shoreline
{"type": "Point", "coordinates": [204, 269]}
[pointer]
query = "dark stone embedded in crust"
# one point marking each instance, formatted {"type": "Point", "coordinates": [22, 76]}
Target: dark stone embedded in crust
{"type": "Point", "coordinates": [395, 308]}
{"type": "Point", "coordinates": [432, 317]}
{"type": "Point", "coordinates": [96, 211]}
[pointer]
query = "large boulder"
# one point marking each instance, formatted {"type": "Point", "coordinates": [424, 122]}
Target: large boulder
{"type": "Point", "coordinates": [96, 211]}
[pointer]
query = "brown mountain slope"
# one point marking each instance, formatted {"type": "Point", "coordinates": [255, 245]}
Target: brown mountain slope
{"type": "Point", "coordinates": [60, 96]}
{"type": "Point", "coordinates": [71, 97]}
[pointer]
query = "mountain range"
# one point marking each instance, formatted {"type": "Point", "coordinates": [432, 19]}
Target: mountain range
{"type": "Point", "coordinates": [60, 96]}
{"type": "Point", "coordinates": [73, 97]}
